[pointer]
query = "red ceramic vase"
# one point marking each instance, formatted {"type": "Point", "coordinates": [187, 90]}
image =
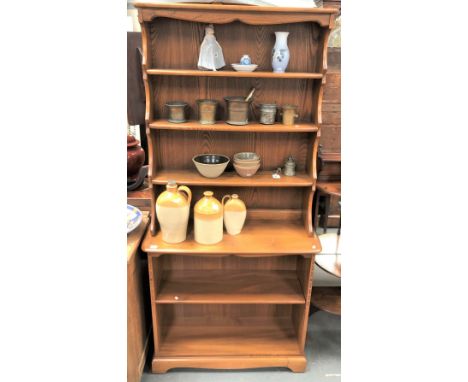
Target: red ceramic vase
{"type": "Point", "coordinates": [135, 157]}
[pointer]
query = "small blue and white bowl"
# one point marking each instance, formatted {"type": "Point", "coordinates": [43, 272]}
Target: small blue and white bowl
{"type": "Point", "coordinates": [245, 60]}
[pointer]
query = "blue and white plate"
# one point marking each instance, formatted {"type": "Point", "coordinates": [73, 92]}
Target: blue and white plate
{"type": "Point", "coordinates": [134, 218]}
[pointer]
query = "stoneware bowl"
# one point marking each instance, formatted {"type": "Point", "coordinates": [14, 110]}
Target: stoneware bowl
{"type": "Point", "coordinates": [210, 165]}
{"type": "Point", "coordinates": [246, 157]}
{"type": "Point", "coordinates": [246, 170]}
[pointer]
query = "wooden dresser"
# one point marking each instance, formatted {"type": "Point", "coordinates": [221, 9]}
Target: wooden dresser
{"type": "Point", "coordinates": [244, 302]}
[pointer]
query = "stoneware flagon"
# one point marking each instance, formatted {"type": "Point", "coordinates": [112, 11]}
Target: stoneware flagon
{"type": "Point", "coordinates": [235, 213]}
{"type": "Point", "coordinates": [208, 218]}
{"type": "Point", "coordinates": [172, 211]}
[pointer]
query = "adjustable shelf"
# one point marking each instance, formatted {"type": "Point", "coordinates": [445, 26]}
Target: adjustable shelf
{"type": "Point", "coordinates": [232, 74]}
{"type": "Point", "coordinates": [230, 287]}
{"type": "Point", "coordinates": [232, 179]}
{"type": "Point", "coordinates": [302, 127]}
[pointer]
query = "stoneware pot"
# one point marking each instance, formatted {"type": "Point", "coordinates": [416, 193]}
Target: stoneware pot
{"type": "Point", "coordinates": [176, 111]}
{"type": "Point", "coordinates": [280, 54]}
{"type": "Point", "coordinates": [135, 157]}
{"type": "Point", "coordinates": [172, 212]}
{"type": "Point", "coordinates": [237, 110]}
{"type": "Point", "coordinates": [267, 113]}
{"type": "Point", "coordinates": [206, 111]}
{"type": "Point", "coordinates": [208, 218]}
{"type": "Point", "coordinates": [289, 113]}
{"type": "Point", "coordinates": [234, 214]}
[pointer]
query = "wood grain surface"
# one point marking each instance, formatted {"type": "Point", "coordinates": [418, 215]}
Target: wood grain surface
{"type": "Point", "coordinates": [223, 72]}
{"type": "Point", "coordinates": [138, 320]}
{"type": "Point", "coordinates": [257, 237]}
{"type": "Point", "coordinates": [230, 286]}
{"type": "Point", "coordinates": [232, 179]}
{"type": "Point", "coordinates": [272, 259]}
{"type": "Point", "coordinates": [327, 299]}
{"type": "Point", "coordinates": [223, 126]}
{"type": "Point", "coordinates": [175, 149]}
{"type": "Point", "coordinates": [228, 335]}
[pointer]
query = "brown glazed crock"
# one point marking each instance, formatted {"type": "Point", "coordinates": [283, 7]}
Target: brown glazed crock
{"type": "Point", "coordinates": [135, 157]}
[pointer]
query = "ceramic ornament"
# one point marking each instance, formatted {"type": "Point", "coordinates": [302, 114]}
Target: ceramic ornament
{"type": "Point", "coordinates": [211, 55]}
{"type": "Point", "coordinates": [280, 54]}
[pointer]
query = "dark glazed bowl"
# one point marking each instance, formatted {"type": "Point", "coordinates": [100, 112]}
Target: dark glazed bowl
{"type": "Point", "coordinates": [210, 165]}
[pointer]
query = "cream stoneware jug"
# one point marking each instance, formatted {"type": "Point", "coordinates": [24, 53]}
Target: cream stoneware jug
{"type": "Point", "coordinates": [172, 211]}
{"type": "Point", "coordinates": [208, 219]}
{"type": "Point", "coordinates": [235, 213]}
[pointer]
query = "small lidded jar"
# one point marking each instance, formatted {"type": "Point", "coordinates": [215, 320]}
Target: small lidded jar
{"type": "Point", "coordinates": [290, 167]}
{"type": "Point", "coordinates": [267, 113]}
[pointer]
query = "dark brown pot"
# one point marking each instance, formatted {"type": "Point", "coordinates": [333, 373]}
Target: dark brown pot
{"type": "Point", "coordinates": [135, 157]}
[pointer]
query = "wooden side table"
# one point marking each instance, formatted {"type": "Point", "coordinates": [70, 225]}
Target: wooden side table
{"type": "Point", "coordinates": [325, 190]}
{"type": "Point", "coordinates": [138, 308]}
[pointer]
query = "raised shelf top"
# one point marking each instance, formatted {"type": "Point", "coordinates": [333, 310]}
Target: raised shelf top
{"type": "Point", "coordinates": [231, 179]}
{"type": "Point", "coordinates": [223, 14]}
{"type": "Point", "coordinates": [304, 127]}
{"type": "Point", "coordinates": [244, 286]}
{"type": "Point", "coordinates": [257, 237]}
{"type": "Point", "coordinates": [230, 7]}
{"type": "Point", "coordinates": [232, 73]}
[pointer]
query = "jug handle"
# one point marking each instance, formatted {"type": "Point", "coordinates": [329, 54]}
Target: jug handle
{"type": "Point", "coordinates": [187, 191]}
{"type": "Point", "coordinates": [224, 197]}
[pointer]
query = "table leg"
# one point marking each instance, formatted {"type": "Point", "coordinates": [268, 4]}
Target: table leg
{"type": "Point", "coordinates": [326, 212]}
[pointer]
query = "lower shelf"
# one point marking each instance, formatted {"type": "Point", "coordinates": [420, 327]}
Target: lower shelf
{"type": "Point", "coordinates": [253, 336]}
{"type": "Point", "coordinates": [230, 286]}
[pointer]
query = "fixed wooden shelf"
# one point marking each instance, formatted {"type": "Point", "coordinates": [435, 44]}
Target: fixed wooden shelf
{"type": "Point", "coordinates": [229, 336]}
{"type": "Point", "coordinates": [303, 127]}
{"type": "Point", "coordinates": [230, 287]}
{"type": "Point", "coordinates": [257, 237]}
{"type": "Point", "coordinates": [231, 73]}
{"type": "Point", "coordinates": [231, 179]}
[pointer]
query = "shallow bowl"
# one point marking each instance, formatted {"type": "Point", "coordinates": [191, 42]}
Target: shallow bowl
{"type": "Point", "coordinates": [244, 68]}
{"type": "Point", "coordinates": [210, 165]}
{"type": "Point", "coordinates": [246, 156]}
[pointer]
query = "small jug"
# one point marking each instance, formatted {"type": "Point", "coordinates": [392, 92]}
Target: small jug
{"type": "Point", "coordinates": [289, 114]}
{"type": "Point", "coordinates": [208, 219]}
{"type": "Point", "coordinates": [235, 213]}
{"type": "Point", "coordinates": [172, 212]}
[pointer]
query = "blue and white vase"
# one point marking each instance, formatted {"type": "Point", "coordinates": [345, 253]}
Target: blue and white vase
{"type": "Point", "coordinates": [280, 57]}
